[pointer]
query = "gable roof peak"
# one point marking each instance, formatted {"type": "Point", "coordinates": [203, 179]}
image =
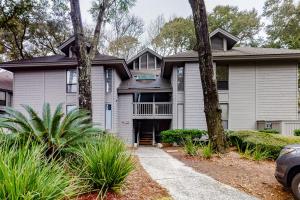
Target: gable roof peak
{"type": "Point", "coordinates": [140, 53]}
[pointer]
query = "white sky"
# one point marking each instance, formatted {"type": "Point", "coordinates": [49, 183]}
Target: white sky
{"type": "Point", "coordinates": [148, 10]}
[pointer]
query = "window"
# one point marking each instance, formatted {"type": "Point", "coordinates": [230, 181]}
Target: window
{"type": "Point", "coordinates": [69, 108]}
{"type": "Point", "coordinates": [144, 61]}
{"type": "Point", "coordinates": [71, 81]}
{"type": "Point", "coordinates": [108, 80]}
{"type": "Point", "coordinates": [108, 117]}
{"type": "Point", "coordinates": [151, 61]}
{"type": "Point", "coordinates": [2, 98]}
{"type": "Point", "coordinates": [180, 79]}
{"type": "Point", "coordinates": [222, 77]}
{"type": "Point", "coordinates": [224, 108]}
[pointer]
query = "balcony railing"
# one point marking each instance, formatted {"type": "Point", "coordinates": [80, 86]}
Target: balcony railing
{"type": "Point", "coordinates": [152, 109]}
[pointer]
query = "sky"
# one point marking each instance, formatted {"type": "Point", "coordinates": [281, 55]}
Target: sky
{"type": "Point", "coordinates": [148, 10]}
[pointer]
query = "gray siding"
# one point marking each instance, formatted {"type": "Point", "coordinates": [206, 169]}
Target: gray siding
{"type": "Point", "coordinates": [194, 116]}
{"type": "Point", "coordinates": [241, 97]}
{"type": "Point", "coordinates": [29, 90]}
{"type": "Point", "coordinates": [98, 95]}
{"type": "Point", "coordinates": [116, 83]}
{"type": "Point", "coordinates": [276, 91]}
{"type": "Point", "coordinates": [125, 118]}
{"type": "Point", "coordinates": [35, 88]}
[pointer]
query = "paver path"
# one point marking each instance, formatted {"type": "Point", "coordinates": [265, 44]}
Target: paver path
{"type": "Point", "coordinates": [182, 182]}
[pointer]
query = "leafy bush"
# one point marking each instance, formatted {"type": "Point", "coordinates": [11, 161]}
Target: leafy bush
{"type": "Point", "coordinates": [272, 143]}
{"type": "Point", "coordinates": [274, 131]}
{"type": "Point", "coordinates": [106, 163]}
{"type": "Point", "coordinates": [190, 147]}
{"type": "Point", "coordinates": [57, 131]}
{"type": "Point", "coordinates": [297, 132]}
{"type": "Point", "coordinates": [207, 151]}
{"type": "Point", "coordinates": [26, 174]}
{"type": "Point", "coordinates": [179, 135]}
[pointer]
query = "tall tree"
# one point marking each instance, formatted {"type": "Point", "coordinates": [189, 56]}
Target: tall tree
{"type": "Point", "coordinates": [243, 24]}
{"type": "Point", "coordinates": [175, 36]}
{"type": "Point", "coordinates": [32, 27]}
{"type": "Point", "coordinates": [211, 100]}
{"type": "Point", "coordinates": [102, 11]}
{"type": "Point", "coordinates": [284, 28]}
{"type": "Point", "coordinates": [124, 35]}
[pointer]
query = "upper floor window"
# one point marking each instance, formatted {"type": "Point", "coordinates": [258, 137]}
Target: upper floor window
{"type": "Point", "coordinates": [108, 80]}
{"type": "Point", "coordinates": [143, 61]}
{"type": "Point", "coordinates": [2, 98]}
{"type": "Point", "coordinates": [72, 80]}
{"type": "Point", "coordinates": [222, 77]}
{"type": "Point", "coordinates": [180, 79]}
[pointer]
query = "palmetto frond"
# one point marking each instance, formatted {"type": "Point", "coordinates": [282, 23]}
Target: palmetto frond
{"type": "Point", "coordinates": [58, 131]}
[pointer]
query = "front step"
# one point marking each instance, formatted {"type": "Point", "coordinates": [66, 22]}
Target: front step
{"type": "Point", "coordinates": [146, 139]}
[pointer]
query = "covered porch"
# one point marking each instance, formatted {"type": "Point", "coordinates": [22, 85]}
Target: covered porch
{"type": "Point", "coordinates": [147, 131]}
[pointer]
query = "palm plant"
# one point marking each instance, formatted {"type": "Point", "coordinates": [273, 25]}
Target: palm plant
{"type": "Point", "coordinates": [59, 132]}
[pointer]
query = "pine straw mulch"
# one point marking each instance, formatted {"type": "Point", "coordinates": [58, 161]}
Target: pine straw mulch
{"type": "Point", "coordinates": [138, 186]}
{"type": "Point", "coordinates": [253, 177]}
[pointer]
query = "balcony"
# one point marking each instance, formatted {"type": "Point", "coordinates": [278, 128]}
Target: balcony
{"type": "Point", "coordinates": [152, 110]}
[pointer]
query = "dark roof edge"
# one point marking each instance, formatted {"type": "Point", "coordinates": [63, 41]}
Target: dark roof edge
{"type": "Point", "coordinates": [8, 66]}
{"type": "Point", "coordinates": [236, 57]}
{"type": "Point", "coordinates": [143, 90]}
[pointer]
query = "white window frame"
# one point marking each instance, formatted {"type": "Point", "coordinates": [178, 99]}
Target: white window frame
{"type": "Point", "coordinates": [108, 116]}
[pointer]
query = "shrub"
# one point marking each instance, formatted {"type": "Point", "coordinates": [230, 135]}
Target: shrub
{"type": "Point", "coordinates": [259, 154]}
{"type": "Point", "coordinates": [179, 135]}
{"type": "Point", "coordinates": [207, 151]}
{"type": "Point", "coordinates": [106, 163]}
{"type": "Point", "coordinates": [272, 143]}
{"type": "Point", "coordinates": [190, 147]}
{"type": "Point", "coordinates": [26, 174]}
{"type": "Point", "coordinates": [274, 131]}
{"type": "Point", "coordinates": [297, 132]}
{"type": "Point", "coordinates": [57, 131]}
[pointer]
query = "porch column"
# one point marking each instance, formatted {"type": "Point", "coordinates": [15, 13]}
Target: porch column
{"type": "Point", "coordinates": [153, 133]}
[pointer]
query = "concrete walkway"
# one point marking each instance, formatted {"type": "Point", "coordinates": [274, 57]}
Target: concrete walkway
{"type": "Point", "coordinates": [182, 182]}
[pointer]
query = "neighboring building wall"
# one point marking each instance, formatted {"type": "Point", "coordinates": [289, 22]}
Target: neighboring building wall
{"type": "Point", "coordinates": [98, 95]}
{"type": "Point", "coordinates": [194, 116]}
{"type": "Point", "coordinates": [242, 97]}
{"type": "Point", "coordinates": [35, 88]}
{"type": "Point", "coordinates": [125, 118]}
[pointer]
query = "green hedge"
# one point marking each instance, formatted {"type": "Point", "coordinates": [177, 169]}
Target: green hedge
{"type": "Point", "coordinates": [297, 132]}
{"type": "Point", "coordinates": [272, 143]}
{"type": "Point", "coordinates": [274, 131]}
{"type": "Point", "coordinates": [178, 135]}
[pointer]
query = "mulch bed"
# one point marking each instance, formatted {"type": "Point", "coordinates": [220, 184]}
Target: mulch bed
{"type": "Point", "coordinates": [255, 178]}
{"type": "Point", "coordinates": [139, 186]}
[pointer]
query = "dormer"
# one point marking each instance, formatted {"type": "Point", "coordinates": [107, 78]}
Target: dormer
{"type": "Point", "coordinates": [222, 40]}
{"type": "Point", "coordinates": [67, 47]}
{"type": "Point", "coordinates": [145, 60]}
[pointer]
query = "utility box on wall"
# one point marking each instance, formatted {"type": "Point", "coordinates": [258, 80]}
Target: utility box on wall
{"type": "Point", "coordinates": [275, 125]}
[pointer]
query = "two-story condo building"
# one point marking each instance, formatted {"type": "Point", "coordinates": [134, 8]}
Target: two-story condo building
{"type": "Point", "coordinates": [137, 99]}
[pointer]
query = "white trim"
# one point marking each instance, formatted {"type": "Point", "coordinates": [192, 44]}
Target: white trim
{"type": "Point", "coordinates": [225, 33]}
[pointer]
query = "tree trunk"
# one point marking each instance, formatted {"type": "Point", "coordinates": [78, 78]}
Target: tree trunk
{"type": "Point", "coordinates": [83, 59]}
{"type": "Point", "coordinates": [211, 100]}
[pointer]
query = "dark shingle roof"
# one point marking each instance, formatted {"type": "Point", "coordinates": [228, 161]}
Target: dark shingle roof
{"type": "Point", "coordinates": [239, 51]}
{"type": "Point", "coordinates": [134, 85]}
{"type": "Point", "coordinates": [6, 80]}
{"type": "Point", "coordinates": [57, 58]}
